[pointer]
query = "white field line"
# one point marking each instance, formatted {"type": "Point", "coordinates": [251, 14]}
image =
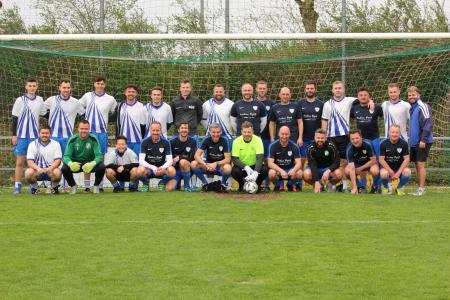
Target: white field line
{"type": "Point", "coordinates": [225, 222]}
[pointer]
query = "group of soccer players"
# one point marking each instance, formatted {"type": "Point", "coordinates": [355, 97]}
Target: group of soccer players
{"type": "Point", "coordinates": [252, 139]}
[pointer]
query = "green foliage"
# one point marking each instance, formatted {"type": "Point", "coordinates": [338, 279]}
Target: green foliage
{"type": "Point", "coordinates": [11, 21]}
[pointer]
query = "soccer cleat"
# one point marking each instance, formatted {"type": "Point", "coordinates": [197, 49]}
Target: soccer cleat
{"type": "Point", "coordinates": [144, 188]}
{"type": "Point", "coordinates": [267, 188]}
{"type": "Point", "coordinates": [34, 191]}
{"type": "Point", "coordinates": [400, 191]}
{"type": "Point", "coordinates": [194, 188]}
{"type": "Point", "coordinates": [73, 190]}
{"type": "Point", "coordinates": [373, 190]}
{"type": "Point", "coordinates": [419, 192]}
{"type": "Point", "coordinates": [386, 191]}
{"type": "Point", "coordinates": [362, 190]}
{"type": "Point", "coordinates": [96, 189]}
{"type": "Point", "coordinates": [16, 191]}
{"type": "Point", "coordinates": [87, 190]}
{"type": "Point", "coordinates": [116, 189]}
{"type": "Point", "coordinates": [102, 190]}
{"type": "Point", "coordinates": [132, 189]}
{"type": "Point", "coordinates": [187, 189]}
{"type": "Point", "coordinates": [161, 187]}
{"type": "Point", "coordinates": [55, 190]}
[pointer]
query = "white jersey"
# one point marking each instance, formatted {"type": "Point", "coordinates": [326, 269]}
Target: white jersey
{"type": "Point", "coordinates": [98, 108]}
{"type": "Point", "coordinates": [114, 157]}
{"type": "Point", "coordinates": [337, 113]}
{"type": "Point", "coordinates": [396, 113]}
{"type": "Point", "coordinates": [130, 118]}
{"type": "Point", "coordinates": [27, 112]}
{"type": "Point", "coordinates": [162, 114]}
{"type": "Point", "coordinates": [220, 113]}
{"type": "Point", "coordinates": [44, 155]}
{"type": "Point", "coordinates": [62, 115]}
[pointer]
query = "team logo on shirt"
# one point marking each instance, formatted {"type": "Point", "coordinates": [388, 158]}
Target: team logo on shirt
{"type": "Point", "coordinates": [364, 151]}
{"type": "Point", "coordinates": [161, 150]}
{"type": "Point", "coordinates": [326, 153]}
{"type": "Point", "coordinates": [220, 148]}
{"type": "Point", "coordinates": [267, 107]}
{"type": "Point", "coordinates": [188, 149]}
{"type": "Point", "coordinates": [291, 110]}
{"type": "Point", "coordinates": [290, 153]}
{"type": "Point", "coordinates": [255, 107]}
{"type": "Point", "coordinates": [88, 146]}
{"type": "Point", "coordinates": [317, 109]}
{"type": "Point", "coordinates": [399, 150]}
{"type": "Point", "coordinates": [191, 107]}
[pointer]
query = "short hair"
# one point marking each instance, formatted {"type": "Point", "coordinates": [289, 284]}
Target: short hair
{"type": "Point", "coordinates": [183, 123]}
{"type": "Point", "coordinates": [413, 88]}
{"type": "Point", "coordinates": [121, 137]}
{"type": "Point", "coordinates": [31, 79]}
{"type": "Point", "coordinates": [245, 83]}
{"type": "Point", "coordinates": [45, 127]}
{"type": "Point", "coordinates": [363, 89]}
{"type": "Point", "coordinates": [338, 82]}
{"type": "Point", "coordinates": [84, 121]}
{"type": "Point", "coordinates": [310, 82]}
{"type": "Point", "coordinates": [155, 123]}
{"type": "Point", "coordinates": [64, 81]}
{"type": "Point", "coordinates": [131, 86]}
{"type": "Point", "coordinates": [395, 126]}
{"type": "Point", "coordinates": [320, 131]}
{"type": "Point", "coordinates": [156, 88]}
{"type": "Point", "coordinates": [218, 85]}
{"type": "Point", "coordinates": [261, 82]}
{"type": "Point", "coordinates": [247, 124]}
{"type": "Point", "coordinates": [185, 81]}
{"type": "Point", "coordinates": [358, 131]}
{"type": "Point", "coordinates": [100, 78]}
{"type": "Point", "coordinates": [215, 126]}
{"type": "Point", "coordinates": [393, 85]}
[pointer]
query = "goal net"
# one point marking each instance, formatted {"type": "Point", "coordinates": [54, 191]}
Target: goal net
{"type": "Point", "coordinates": [364, 60]}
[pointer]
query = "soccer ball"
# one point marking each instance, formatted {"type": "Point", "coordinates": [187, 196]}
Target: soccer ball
{"type": "Point", "coordinates": [250, 187]}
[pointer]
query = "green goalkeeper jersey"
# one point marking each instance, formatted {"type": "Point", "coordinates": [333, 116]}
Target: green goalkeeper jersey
{"type": "Point", "coordinates": [82, 150]}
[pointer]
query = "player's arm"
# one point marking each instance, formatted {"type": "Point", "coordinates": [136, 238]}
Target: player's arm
{"type": "Point", "coordinates": [371, 162]}
{"type": "Point", "coordinates": [300, 129]}
{"type": "Point", "coordinates": [271, 164]}
{"type": "Point", "coordinates": [198, 157]}
{"type": "Point", "coordinates": [199, 106]}
{"type": "Point", "coordinates": [205, 114]}
{"type": "Point", "coordinates": [326, 115]}
{"type": "Point", "coordinates": [169, 157]}
{"type": "Point", "coordinates": [336, 159]}
{"type": "Point", "coordinates": [31, 164]}
{"type": "Point", "coordinates": [145, 164]}
{"type": "Point", "coordinates": [272, 126]}
{"type": "Point", "coordinates": [55, 164]}
{"type": "Point", "coordinates": [109, 161]}
{"type": "Point", "coordinates": [404, 164]}
{"type": "Point", "coordinates": [236, 161]}
{"type": "Point", "coordinates": [312, 163]}
{"type": "Point", "coordinates": [426, 123]}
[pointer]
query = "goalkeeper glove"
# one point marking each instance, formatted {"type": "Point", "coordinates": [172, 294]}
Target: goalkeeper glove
{"type": "Point", "coordinates": [254, 176]}
{"type": "Point", "coordinates": [248, 170]}
{"type": "Point", "coordinates": [74, 166]}
{"type": "Point", "coordinates": [87, 167]}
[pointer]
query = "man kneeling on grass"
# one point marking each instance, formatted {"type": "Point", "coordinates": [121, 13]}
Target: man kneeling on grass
{"type": "Point", "coordinates": [323, 163]}
{"type": "Point", "coordinates": [121, 166]}
{"type": "Point", "coordinates": [43, 159]}
{"type": "Point", "coordinates": [284, 161]}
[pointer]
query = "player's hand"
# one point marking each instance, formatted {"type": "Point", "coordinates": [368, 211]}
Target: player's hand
{"type": "Point", "coordinates": [74, 166]}
{"type": "Point", "coordinates": [371, 105]}
{"type": "Point", "coordinates": [159, 172]}
{"type": "Point", "coordinates": [254, 176]}
{"type": "Point", "coordinates": [291, 172]}
{"type": "Point", "coordinates": [14, 140]}
{"type": "Point", "coordinates": [354, 191]}
{"type": "Point", "coordinates": [175, 160]}
{"type": "Point", "coordinates": [120, 169]}
{"type": "Point", "coordinates": [41, 170]}
{"type": "Point", "coordinates": [284, 174]}
{"type": "Point", "coordinates": [88, 167]}
{"type": "Point", "coordinates": [391, 173]}
{"type": "Point", "coordinates": [422, 145]}
{"type": "Point", "coordinates": [396, 175]}
{"type": "Point", "coordinates": [300, 142]}
{"type": "Point", "coordinates": [213, 165]}
{"type": "Point", "coordinates": [326, 176]}
{"type": "Point", "coordinates": [317, 187]}
{"type": "Point", "coordinates": [248, 170]}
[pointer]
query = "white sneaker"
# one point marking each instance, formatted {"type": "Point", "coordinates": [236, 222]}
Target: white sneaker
{"type": "Point", "coordinates": [419, 192]}
{"type": "Point", "coordinates": [48, 190]}
{"type": "Point", "coordinates": [96, 189]}
{"type": "Point", "coordinates": [73, 190]}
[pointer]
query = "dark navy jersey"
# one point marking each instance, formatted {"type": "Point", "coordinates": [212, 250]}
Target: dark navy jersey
{"type": "Point", "coordinates": [284, 157]}
{"type": "Point", "coordinates": [311, 114]}
{"type": "Point", "coordinates": [367, 121]}
{"type": "Point", "coordinates": [155, 153]}
{"type": "Point", "coordinates": [251, 111]}
{"type": "Point", "coordinates": [393, 153]}
{"type": "Point", "coordinates": [268, 105]}
{"type": "Point", "coordinates": [185, 150]}
{"type": "Point", "coordinates": [215, 151]}
{"type": "Point", "coordinates": [361, 155]}
{"type": "Point", "coordinates": [286, 115]}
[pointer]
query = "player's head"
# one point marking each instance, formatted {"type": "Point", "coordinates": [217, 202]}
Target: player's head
{"type": "Point", "coordinates": [44, 133]}
{"type": "Point", "coordinates": [247, 131]}
{"type": "Point", "coordinates": [215, 131]}
{"type": "Point", "coordinates": [64, 88]}
{"type": "Point", "coordinates": [185, 87]}
{"type": "Point", "coordinates": [261, 89]}
{"type": "Point", "coordinates": [219, 92]}
{"type": "Point", "coordinates": [310, 89]}
{"type": "Point", "coordinates": [320, 137]}
{"type": "Point", "coordinates": [100, 84]}
{"type": "Point", "coordinates": [247, 91]}
{"type": "Point", "coordinates": [156, 94]}
{"type": "Point", "coordinates": [356, 137]}
{"type": "Point", "coordinates": [338, 89]}
{"type": "Point", "coordinates": [363, 95]}
{"type": "Point", "coordinates": [183, 129]}
{"type": "Point", "coordinates": [284, 134]}
{"type": "Point", "coordinates": [131, 92]}
{"type": "Point", "coordinates": [121, 143]}
{"type": "Point", "coordinates": [31, 86]}
{"type": "Point", "coordinates": [394, 91]}
{"type": "Point", "coordinates": [413, 94]}
{"type": "Point", "coordinates": [83, 129]}
{"type": "Point", "coordinates": [285, 95]}
{"type": "Point", "coordinates": [394, 133]}
{"type": "Point", "coordinates": [155, 130]}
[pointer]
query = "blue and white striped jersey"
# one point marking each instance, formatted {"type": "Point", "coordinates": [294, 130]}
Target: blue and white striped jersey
{"type": "Point", "coordinates": [396, 113]}
{"type": "Point", "coordinates": [161, 113]}
{"type": "Point", "coordinates": [27, 112]}
{"type": "Point", "coordinates": [130, 117]}
{"type": "Point", "coordinates": [62, 115]}
{"type": "Point", "coordinates": [337, 113]}
{"type": "Point", "coordinates": [219, 113]}
{"type": "Point", "coordinates": [98, 108]}
{"type": "Point", "coordinates": [44, 155]}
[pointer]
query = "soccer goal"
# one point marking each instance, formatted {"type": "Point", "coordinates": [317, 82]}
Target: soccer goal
{"type": "Point", "coordinates": [371, 60]}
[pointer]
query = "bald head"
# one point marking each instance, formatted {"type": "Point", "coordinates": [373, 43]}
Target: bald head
{"type": "Point", "coordinates": [285, 95]}
{"type": "Point", "coordinates": [284, 133]}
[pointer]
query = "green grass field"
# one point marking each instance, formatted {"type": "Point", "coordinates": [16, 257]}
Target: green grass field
{"type": "Point", "coordinates": [208, 246]}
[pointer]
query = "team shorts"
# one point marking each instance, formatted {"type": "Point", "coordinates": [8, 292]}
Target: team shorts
{"type": "Point", "coordinates": [102, 138]}
{"type": "Point", "coordinates": [43, 177]}
{"type": "Point", "coordinates": [22, 146]}
{"type": "Point", "coordinates": [341, 143]}
{"type": "Point", "coordinates": [417, 154]}
{"type": "Point", "coordinates": [305, 146]}
{"type": "Point", "coordinates": [124, 176]}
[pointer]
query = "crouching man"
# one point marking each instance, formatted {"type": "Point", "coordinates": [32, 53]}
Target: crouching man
{"type": "Point", "coordinates": [121, 166]}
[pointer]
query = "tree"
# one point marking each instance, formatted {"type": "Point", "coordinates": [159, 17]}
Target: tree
{"type": "Point", "coordinates": [309, 15]}
{"type": "Point", "coordinates": [11, 21]}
